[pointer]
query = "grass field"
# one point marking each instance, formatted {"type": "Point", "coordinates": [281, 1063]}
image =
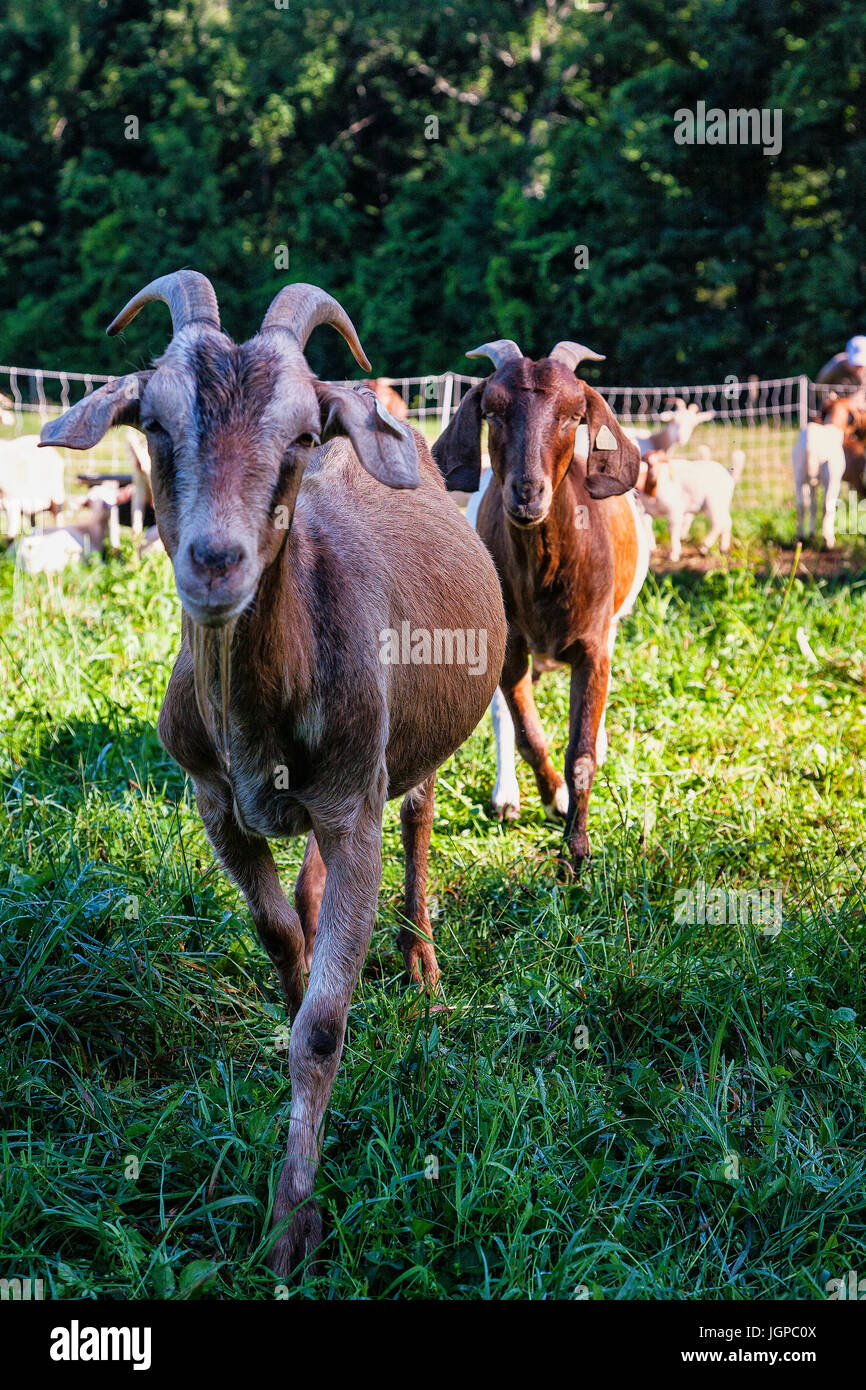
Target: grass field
{"type": "Point", "coordinates": [620, 1103]}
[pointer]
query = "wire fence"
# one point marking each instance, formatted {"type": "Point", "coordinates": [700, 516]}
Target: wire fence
{"type": "Point", "coordinates": [760, 417]}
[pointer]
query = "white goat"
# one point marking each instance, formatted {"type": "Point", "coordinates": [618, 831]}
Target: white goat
{"type": "Point", "coordinates": [677, 489]}
{"type": "Point", "coordinates": [680, 424]}
{"type": "Point", "coordinates": [31, 480]}
{"type": "Point", "coordinates": [819, 461]}
{"type": "Point", "coordinates": [49, 552]}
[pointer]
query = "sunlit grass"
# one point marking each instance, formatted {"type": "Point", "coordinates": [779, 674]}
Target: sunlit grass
{"type": "Point", "coordinates": [701, 1138]}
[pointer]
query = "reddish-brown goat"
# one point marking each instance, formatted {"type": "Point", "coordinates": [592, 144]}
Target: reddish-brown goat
{"type": "Point", "coordinates": [848, 415]}
{"type": "Point", "coordinates": [566, 544]}
{"type": "Point", "coordinates": [299, 564]}
{"type": "Point", "coordinates": [391, 399]}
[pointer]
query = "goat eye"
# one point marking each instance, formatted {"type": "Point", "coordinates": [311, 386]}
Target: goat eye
{"type": "Point", "coordinates": [307, 440]}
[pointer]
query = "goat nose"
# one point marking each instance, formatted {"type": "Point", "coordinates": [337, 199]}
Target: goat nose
{"type": "Point", "coordinates": [527, 491]}
{"type": "Point", "coordinates": [210, 559]}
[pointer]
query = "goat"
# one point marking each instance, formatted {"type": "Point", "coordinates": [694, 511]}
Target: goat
{"type": "Point", "coordinates": [49, 552]}
{"type": "Point", "coordinates": [134, 507]}
{"type": "Point", "coordinates": [818, 460]}
{"type": "Point", "coordinates": [679, 425]}
{"type": "Point", "coordinates": [391, 399]}
{"type": "Point", "coordinates": [30, 482]}
{"type": "Point", "coordinates": [677, 489]}
{"type": "Point", "coordinates": [848, 413]}
{"type": "Point", "coordinates": [569, 547]}
{"type": "Point", "coordinates": [288, 704]}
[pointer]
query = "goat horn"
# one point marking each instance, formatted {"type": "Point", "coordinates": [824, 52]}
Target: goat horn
{"type": "Point", "coordinates": [189, 295]}
{"type": "Point", "coordinates": [300, 308]}
{"type": "Point", "coordinates": [500, 351]}
{"type": "Point", "coordinates": [574, 353]}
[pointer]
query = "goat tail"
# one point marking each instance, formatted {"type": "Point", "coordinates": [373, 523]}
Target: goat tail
{"type": "Point", "coordinates": [738, 463]}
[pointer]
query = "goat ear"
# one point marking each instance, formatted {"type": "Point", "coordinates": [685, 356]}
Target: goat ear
{"type": "Point", "coordinates": [385, 448]}
{"type": "Point", "coordinates": [613, 462]}
{"type": "Point", "coordinates": [457, 451]}
{"type": "Point", "coordinates": [116, 403]}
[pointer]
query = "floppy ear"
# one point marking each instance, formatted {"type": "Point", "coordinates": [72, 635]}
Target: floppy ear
{"type": "Point", "coordinates": [614, 460]}
{"type": "Point", "coordinates": [385, 447]}
{"type": "Point", "coordinates": [457, 451]}
{"type": "Point", "coordinates": [116, 403]}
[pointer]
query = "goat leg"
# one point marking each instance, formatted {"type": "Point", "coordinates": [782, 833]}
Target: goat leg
{"type": "Point", "coordinates": [308, 895]}
{"type": "Point", "coordinates": [248, 860]}
{"type": "Point", "coordinates": [506, 791]}
{"type": "Point", "coordinates": [416, 942]}
{"type": "Point", "coordinates": [532, 746]}
{"type": "Point", "coordinates": [590, 680]}
{"type": "Point", "coordinates": [354, 869]}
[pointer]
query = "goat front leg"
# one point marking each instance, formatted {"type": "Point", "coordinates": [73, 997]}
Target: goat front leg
{"type": "Point", "coordinates": [831, 500]}
{"type": "Point", "coordinates": [416, 942]}
{"type": "Point", "coordinates": [354, 869]}
{"type": "Point", "coordinates": [531, 744]}
{"type": "Point", "coordinates": [308, 895]}
{"type": "Point", "coordinates": [675, 526]}
{"type": "Point", "coordinates": [590, 680]}
{"type": "Point", "coordinates": [248, 860]}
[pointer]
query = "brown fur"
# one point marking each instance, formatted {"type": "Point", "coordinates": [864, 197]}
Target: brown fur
{"type": "Point", "coordinates": [562, 581]}
{"type": "Point", "coordinates": [847, 414]}
{"type": "Point", "coordinates": [291, 561]}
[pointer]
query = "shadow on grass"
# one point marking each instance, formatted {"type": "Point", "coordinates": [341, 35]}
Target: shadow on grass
{"type": "Point", "coordinates": [69, 758]}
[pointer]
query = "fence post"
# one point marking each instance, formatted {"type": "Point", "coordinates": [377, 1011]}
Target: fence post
{"type": "Point", "coordinates": [804, 402]}
{"type": "Point", "coordinates": [447, 397]}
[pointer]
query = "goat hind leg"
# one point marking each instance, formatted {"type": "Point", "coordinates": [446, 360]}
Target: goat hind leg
{"type": "Point", "coordinates": [308, 895]}
{"type": "Point", "coordinates": [416, 942]}
{"type": "Point", "coordinates": [506, 792]}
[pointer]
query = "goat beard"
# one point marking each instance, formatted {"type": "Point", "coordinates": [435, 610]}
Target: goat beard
{"type": "Point", "coordinates": [206, 644]}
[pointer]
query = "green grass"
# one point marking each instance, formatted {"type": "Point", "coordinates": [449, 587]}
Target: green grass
{"type": "Point", "coordinates": [705, 1143]}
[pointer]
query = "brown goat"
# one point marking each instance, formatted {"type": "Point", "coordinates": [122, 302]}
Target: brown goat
{"type": "Point", "coordinates": [287, 705]}
{"type": "Point", "coordinates": [847, 413]}
{"type": "Point", "coordinates": [570, 550]}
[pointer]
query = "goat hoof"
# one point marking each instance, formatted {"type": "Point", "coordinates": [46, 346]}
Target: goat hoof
{"type": "Point", "coordinates": [509, 810]}
{"type": "Point", "coordinates": [298, 1243]}
{"type": "Point", "coordinates": [557, 809]}
{"type": "Point", "coordinates": [581, 854]}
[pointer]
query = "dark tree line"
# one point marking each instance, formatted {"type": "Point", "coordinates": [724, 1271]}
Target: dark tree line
{"type": "Point", "coordinates": [436, 166]}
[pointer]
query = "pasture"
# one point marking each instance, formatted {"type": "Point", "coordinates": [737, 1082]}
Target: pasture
{"type": "Point", "coordinates": [614, 1104]}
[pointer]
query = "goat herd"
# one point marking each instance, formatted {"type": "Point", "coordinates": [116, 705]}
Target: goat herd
{"type": "Point", "coordinates": [305, 523]}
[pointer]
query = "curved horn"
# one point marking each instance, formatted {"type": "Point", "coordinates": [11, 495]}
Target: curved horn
{"type": "Point", "coordinates": [188, 294]}
{"type": "Point", "coordinates": [574, 353]}
{"type": "Point", "coordinates": [500, 351]}
{"type": "Point", "coordinates": [300, 308]}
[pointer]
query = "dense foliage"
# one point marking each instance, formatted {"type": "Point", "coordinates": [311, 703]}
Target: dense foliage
{"type": "Point", "coordinates": [144, 136]}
